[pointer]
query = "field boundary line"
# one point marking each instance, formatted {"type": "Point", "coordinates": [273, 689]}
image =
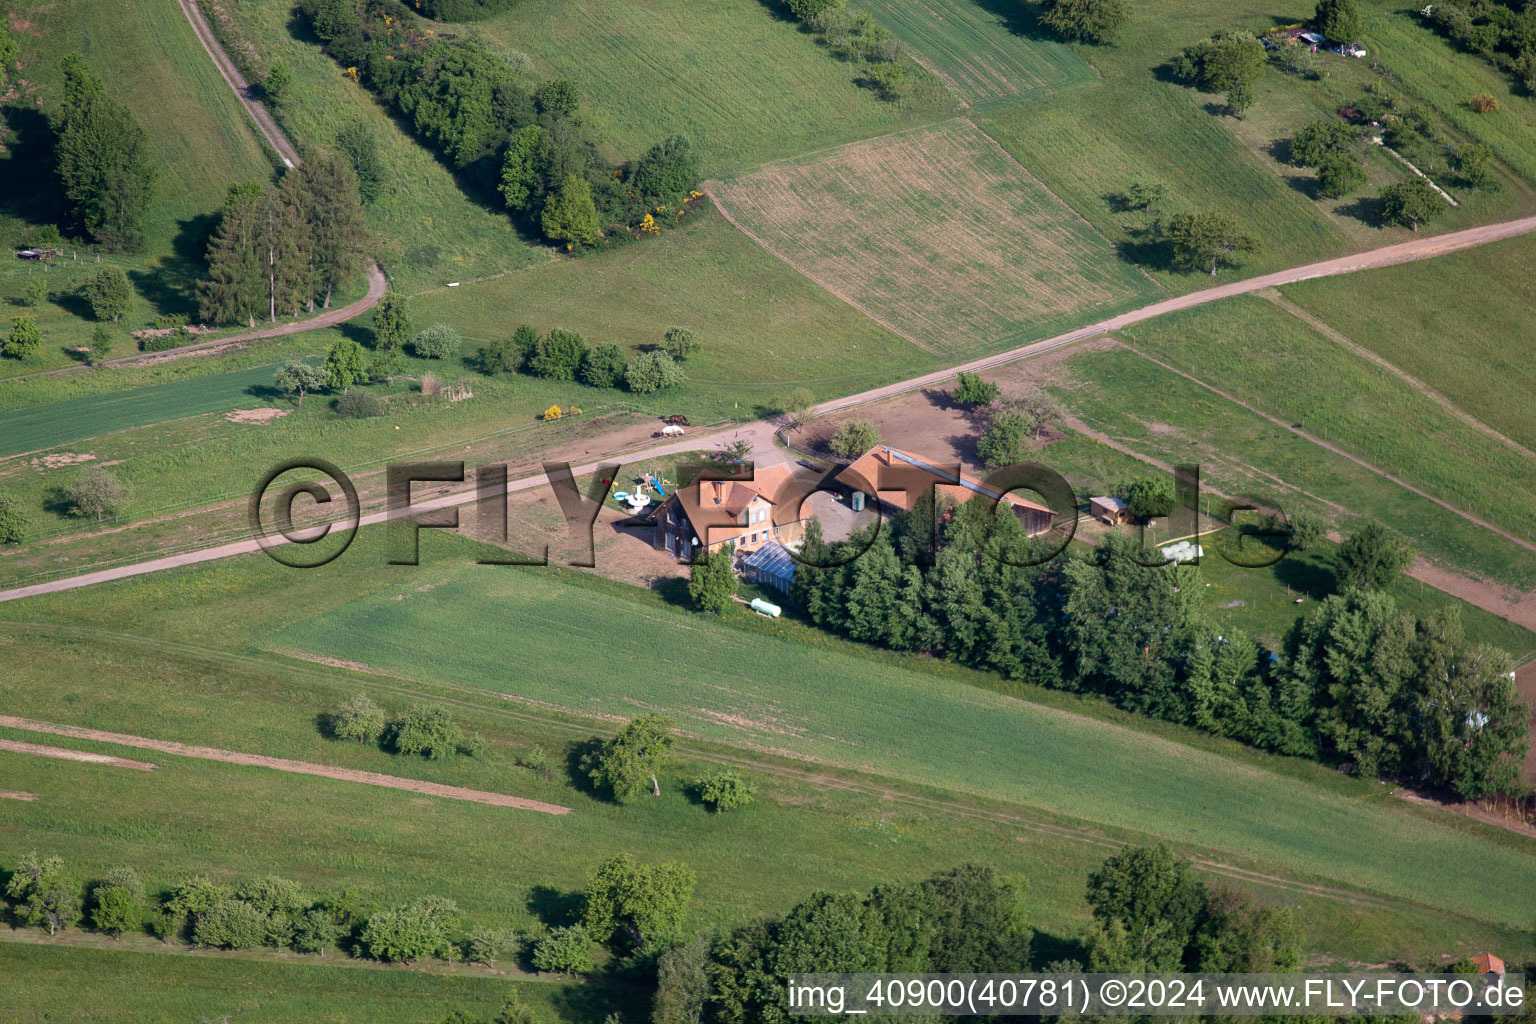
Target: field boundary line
{"type": "Point", "coordinates": [710, 186]}
{"type": "Point", "coordinates": [1322, 327]}
{"type": "Point", "coordinates": [1335, 449]}
{"type": "Point", "coordinates": [281, 764]}
{"type": "Point", "coordinates": [786, 161]}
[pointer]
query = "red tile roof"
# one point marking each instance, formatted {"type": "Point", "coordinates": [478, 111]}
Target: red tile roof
{"type": "Point", "coordinates": [866, 469]}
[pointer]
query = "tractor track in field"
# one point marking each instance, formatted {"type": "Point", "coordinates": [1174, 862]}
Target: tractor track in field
{"type": "Point", "coordinates": [281, 764]}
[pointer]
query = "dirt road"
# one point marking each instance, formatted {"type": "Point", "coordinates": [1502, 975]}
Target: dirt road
{"type": "Point", "coordinates": [281, 764]}
{"type": "Point", "coordinates": [264, 123]}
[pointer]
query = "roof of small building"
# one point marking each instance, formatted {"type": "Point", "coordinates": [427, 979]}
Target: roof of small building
{"type": "Point", "coordinates": [1487, 963]}
{"type": "Point", "coordinates": [1109, 501]}
{"type": "Point", "coordinates": [772, 559]}
{"type": "Point", "coordinates": [866, 469]}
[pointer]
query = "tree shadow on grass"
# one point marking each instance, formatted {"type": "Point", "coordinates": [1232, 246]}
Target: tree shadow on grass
{"type": "Point", "coordinates": [555, 908]}
{"type": "Point", "coordinates": [28, 189]}
{"type": "Point", "coordinates": [1021, 17]}
{"type": "Point", "coordinates": [1146, 247]}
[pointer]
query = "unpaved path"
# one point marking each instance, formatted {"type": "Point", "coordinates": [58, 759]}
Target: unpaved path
{"type": "Point", "coordinates": [65, 754]}
{"type": "Point", "coordinates": [1322, 327]}
{"type": "Point", "coordinates": [281, 764]}
{"type": "Point", "coordinates": [289, 155]}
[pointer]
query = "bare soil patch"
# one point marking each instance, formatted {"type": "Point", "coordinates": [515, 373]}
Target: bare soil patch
{"type": "Point", "coordinates": [264, 415]}
{"type": "Point", "coordinates": [935, 232]}
{"type": "Point", "coordinates": [58, 460]}
{"type": "Point", "coordinates": [281, 764]}
{"type": "Point", "coordinates": [16, 794]}
{"type": "Point", "coordinates": [65, 754]}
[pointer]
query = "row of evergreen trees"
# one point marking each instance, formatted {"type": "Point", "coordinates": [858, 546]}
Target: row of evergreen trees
{"type": "Point", "coordinates": [1356, 682]}
{"type": "Point", "coordinates": [279, 249]}
{"type": "Point", "coordinates": [105, 161]}
{"type": "Point", "coordinates": [528, 142]}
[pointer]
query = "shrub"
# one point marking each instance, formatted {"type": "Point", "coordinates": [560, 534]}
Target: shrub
{"type": "Point", "coordinates": [854, 438]}
{"type": "Point", "coordinates": [438, 341]}
{"type": "Point", "coordinates": [14, 521]}
{"type": "Point", "coordinates": [564, 951]}
{"type": "Point", "coordinates": [650, 372]}
{"type": "Point", "coordinates": [726, 791]}
{"type": "Point", "coordinates": [117, 904]}
{"type": "Point", "coordinates": [360, 405]}
{"type": "Point", "coordinates": [1339, 174]}
{"type": "Point", "coordinates": [24, 341]}
{"type": "Point", "coordinates": [358, 719]}
{"type": "Point", "coordinates": [668, 171]}
{"type": "Point", "coordinates": [428, 730]}
{"type": "Point", "coordinates": [1483, 103]}
{"type": "Point", "coordinates": [1150, 498]}
{"type": "Point", "coordinates": [230, 924]}
{"type": "Point", "coordinates": [1307, 528]}
{"type": "Point", "coordinates": [805, 10]}
{"type": "Point", "coordinates": [35, 291]}
{"type": "Point", "coordinates": [102, 340]}
{"type": "Point", "coordinates": [971, 390]}
{"type": "Point", "coordinates": [360, 145]}
{"type": "Point", "coordinates": [558, 355]}
{"type": "Point", "coordinates": [1005, 440]}
{"type": "Point", "coordinates": [163, 342]}
{"type": "Point", "coordinates": [603, 366]}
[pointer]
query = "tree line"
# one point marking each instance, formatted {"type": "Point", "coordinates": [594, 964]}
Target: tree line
{"type": "Point", "coordinates": [565, 355]}
{"type": "Point", "coordinates": [279, 249]}
{"type": "Point", "coordinates": [529, 144]}
{"type": "Point", "coordinates": [1357, 682]}
{"type": "Point", "coordinates": [1501, 31]}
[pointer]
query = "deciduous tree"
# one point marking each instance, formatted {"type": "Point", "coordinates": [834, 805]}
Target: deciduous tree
{"type": "Point", "coordinates": [25, 339]}
{"type": "Point", "coordinates": [569, 214]}
{"type": "Point", "coordinates": [1339, 20]}
{"type": "Point", "coordinates": [637, 907]}
{"type": "Point", "coordinates": [1207, 239]}
{"type": "Point", "coordinates": [357, 719]}
{"type": "Point", "coordinates": [1092, 21]}
{"type": "Point", "coordinates": [972, 391]}
{"type": "Point", "coordinates": [345, 365]}
{"type": "Point", "coordinates": [1410, 203]}
{"type": "Point", "coordinates": [392, 324]}
{"type": "Point", "coordinates": [854, 438]}
{"type": "Point", "coordinates": [712, 581]}
{"type": "Point", "coordinates": [650, 372]}
{"type": "Point", "coordinates": [1371, 558]}
{"type": "Point", "coordinates": [297, 377]}
{"type": "Point", "coordinates": [558, 355]}
{"type": "Point", "coordinates": [96, 492]}
{"type": "Point", "coordinates": [636, 755]}
{"type": "Point", "coordinates": [42, 894]}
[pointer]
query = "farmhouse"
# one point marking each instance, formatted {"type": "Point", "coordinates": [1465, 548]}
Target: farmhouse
{"type": "Point", "coordinates": [1110, 511]}
{"type": "Point", "coordinates": [896, 479]}
{"type": "Point", "coordinates": [746, 513]}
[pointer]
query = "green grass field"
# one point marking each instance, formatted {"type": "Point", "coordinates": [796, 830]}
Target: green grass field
{"type": "Point", "coordinates": [1465, 323]}
{"type": "Point", "coordinates": [1268, 358]}
{"type": "Point", "coordinates": [987, 58]}
{"type": "Point", "coordinates": [1088, 145]}
{"type": "Point", "coordinates": [1164, 416]}
{"type": "Point", "coordinates": [939, 233]}
{"type": "Point", "coordinates": [829, 704]}
{"type": "Point", "coordinates": [736, 76]}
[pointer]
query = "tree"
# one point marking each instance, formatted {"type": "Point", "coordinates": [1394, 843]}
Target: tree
{"type": "Point", "coordinates": [668, 170]}
{"type": "Point", "coordinates": [41, 894]}
{"type": "Point", "coordinates": [712, 581]}
{"type": "Point", "coordinates": [101, 344]}
{"type": "Point", "coordinates": [524, 167]}
{"type": "Point", "coordinates": [411, 932]}
{"type": "Point", "coordinates": [603, 366]}
{"type": "Point", "coordinates": [558, 355]}
{"type": "Point", "coordinates": [316, 931]}
{"type": "Point", "coordinates": [25, 339]}
{"type": "Point", "coordinates": [1230, 62]}
{"type": "Point", "coordinates": [1474, 161]}
{"type": "Point", "coordinates": [1339, 20]}
{"type": "Point", "coordinates": [638, 908]}
{"type": "Point", "coordinates": [1307, 528]}
{"type": "Point", "coordinates": [360, 145]}
{"type": "Point", "coordinates": [8, 51]}
{"type": "Point", "coordinates": [14, 521]}
{"type": "Point", "coordinates": [34, 292]}
{"type": "Point", "coordinates": [682, 984]}
{"type": "Point", "coordinates": [569, 215]}
{"type": "Point", "coordinates": [96, 492]}
{"type": "Point", "coordinates": [725, 790]}
{"type": "Point", "coordinates": [507, 354]}
{"type": "Point", "coordinates": [805, 10]}
{"type": "Point", "coordinates": [1339, 174]}
{"type": "Point", "coordinates": [854, 438]}
{"type": "Point", "coordinates": [236, 285]}
{"type": "Point", "coordinates": [328, 199]}
{"type": "Point", "coordinates": [797, 403]}
{"type": "Point", "coordinates": [1207, 239]}
{"type": "Point", "coordinates": [1092, 21]}
{"type": "Point", "coordinates": [104, 159]}
{"type": "Point", "coordinates": [680, 343]}
{"type": "Point", "coordinates": [1371, 558]}
{"type": "Point", "coordinates": [1149, 897]}
{"type": "Point", "coordinates": [1410, 203]}
{"type": "Point", "coordinates": [428, 730]}
{"type": "Point", "coordinates": [117, 904]}
{"type": "Point", "coordinates": [640, 751]}
{"type": "Point", "coordinates": [972, 391]}
{"type": "Point", "coordinates": [1040, 408]}
{"type": "Point", "coordinates": [358, 719]}
{"type": "Point", "coordinates": [558, 99]}
{"type": "Point", "coordinates": [1324, 137]}
{"type": "Point", "coordinates": [297, 377]}
{"type": "Point", "coordinates": [439, 341]}
{"type": "Point", "coordinates": [1147, 193]}
{"type": "Point", "coordinates": [392, 322]}
{"type": "Point", "coordinates": [345, 364]}
{"type": "Point", "coordinates": [1005, 440]}
{"type": "Point", "coordinates": [1150, 497]}
{"type": "Point", "coordinates": [565, 950]}
{"type": "Point", "coordinates": [650, 372]}
{"type": "Point", "coordinates": [1242, 936]}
